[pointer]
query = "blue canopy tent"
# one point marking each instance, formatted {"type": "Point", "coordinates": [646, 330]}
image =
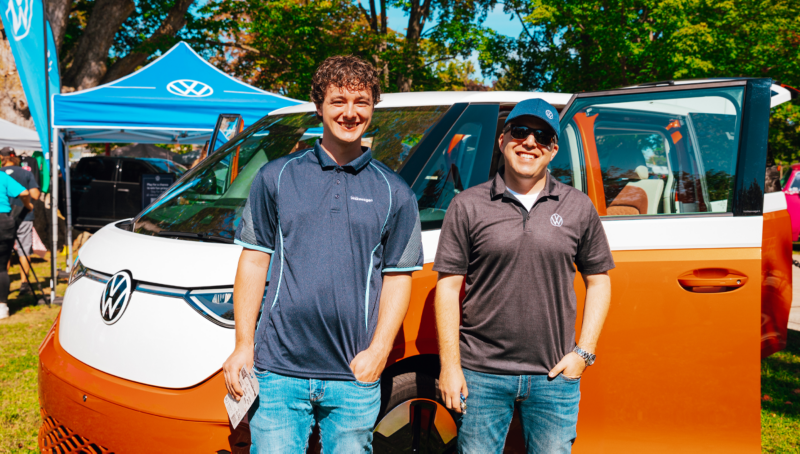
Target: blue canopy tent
{"type": "Point", "coordinates": [175, 99]}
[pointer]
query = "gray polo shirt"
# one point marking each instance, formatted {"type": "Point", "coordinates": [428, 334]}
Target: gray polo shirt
{"type": "Point", "coordinates": [518, 315]}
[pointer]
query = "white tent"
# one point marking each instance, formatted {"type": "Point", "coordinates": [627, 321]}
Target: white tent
{"type": "Point", "coordinates": [18, 137]}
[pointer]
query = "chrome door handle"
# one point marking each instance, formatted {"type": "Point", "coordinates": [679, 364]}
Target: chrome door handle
{"type": "Point", "coordinates": [123, 190]}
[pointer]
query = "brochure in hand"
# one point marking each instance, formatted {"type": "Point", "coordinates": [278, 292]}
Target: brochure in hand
{"type": "Point", "coordinates": [238, 409]}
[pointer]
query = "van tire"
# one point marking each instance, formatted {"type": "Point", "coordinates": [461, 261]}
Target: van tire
{"type": "Point", "coordinates": [398, 390]}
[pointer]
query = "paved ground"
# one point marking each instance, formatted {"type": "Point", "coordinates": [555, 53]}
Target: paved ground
{"type": "Point", "coordinates": [794, 315]}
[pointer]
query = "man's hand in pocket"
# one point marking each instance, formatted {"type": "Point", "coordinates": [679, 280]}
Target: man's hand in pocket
{"type": "Point", "coordinates": [368, 365]}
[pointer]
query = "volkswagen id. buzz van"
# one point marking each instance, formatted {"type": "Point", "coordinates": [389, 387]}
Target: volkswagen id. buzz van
{"type": "Point", "coordinates": [701, 291]}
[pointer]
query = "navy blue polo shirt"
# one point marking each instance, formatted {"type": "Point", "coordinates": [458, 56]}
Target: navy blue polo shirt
{"type": "Point", "coordinates": [332, 231]}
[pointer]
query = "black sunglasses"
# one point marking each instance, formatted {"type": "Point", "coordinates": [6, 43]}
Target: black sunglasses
{"type": "Point", "coordinates": [544, 137]}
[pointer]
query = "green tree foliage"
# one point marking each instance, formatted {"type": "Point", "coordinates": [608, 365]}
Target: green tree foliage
{"type": "Point", "coordinates": [596, 44]}
{"type": "Point", "coordinates": [277, 44]}
{"type": "Point", "coordinates": [784, 134]}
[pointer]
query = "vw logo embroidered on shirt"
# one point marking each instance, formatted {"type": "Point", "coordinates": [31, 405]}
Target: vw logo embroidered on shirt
{"type": "Point", "coordinates": [20, 14]}
{"type": "Point", "coordinates": [556, 220]}
{"type": "Point", "coordinates": [549, 114]}
{"type": "Point", "coordinates": [115, 297]}
{"type": "Point", "coordinates": [189, 88]}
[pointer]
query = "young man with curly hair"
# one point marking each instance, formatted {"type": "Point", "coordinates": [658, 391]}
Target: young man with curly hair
{"type": "Point", "coordinates": [343, 233]}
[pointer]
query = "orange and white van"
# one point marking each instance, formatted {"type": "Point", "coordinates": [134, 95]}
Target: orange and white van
{"type": "Point", "coordinates": [701, 291]}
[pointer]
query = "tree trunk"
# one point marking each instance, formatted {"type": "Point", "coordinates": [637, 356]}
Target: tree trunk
{"type": "Point", "coordinates": [13, 104]}
{"type": "Point", "coordinates": [418, 13]}
{"type": "Point", "coordinates": [89, 61]}
{"type": "Point", "coordinates": [58, 15]}
{"type": "Point", "coordinates": [174, 21]}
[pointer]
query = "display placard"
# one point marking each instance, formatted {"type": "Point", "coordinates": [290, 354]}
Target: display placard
{"type": "Point", "coordinates": [153, 185]}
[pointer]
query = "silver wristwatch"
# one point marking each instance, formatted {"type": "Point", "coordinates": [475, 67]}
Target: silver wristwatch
{"type": "Point", "coordinates": [588, 357]}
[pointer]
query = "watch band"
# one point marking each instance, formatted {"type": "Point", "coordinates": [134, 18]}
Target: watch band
{"type": "Point", "coordinates": [588, 357]}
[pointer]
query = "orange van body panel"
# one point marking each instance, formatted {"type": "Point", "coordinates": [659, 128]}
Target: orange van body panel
{"type": "Point", "coordinates": [776, 281]}
{"type": "Point", "coordinates": [124, 416]}
{"type": "Point", "coordinates": [657, 386]}
{"type": "Point", "coordinates": [417, 336]}
{"type": "Point", "coordinates": [677, 371]}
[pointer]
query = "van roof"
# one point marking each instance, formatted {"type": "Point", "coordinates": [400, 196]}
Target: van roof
{"type": "Point", "coordinates": [446, 98]}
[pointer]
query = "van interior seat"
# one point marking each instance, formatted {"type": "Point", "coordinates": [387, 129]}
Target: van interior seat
{"type": "Point", "coordinates": [653, 189]}
{"type": "Point", "coordinates": [639, 196]}
{"type": "Point", "coordinates": [625, 165]}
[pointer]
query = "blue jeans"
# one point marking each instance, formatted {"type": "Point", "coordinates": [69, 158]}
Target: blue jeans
{"type": "Point", "coordinates": [548, 407]}
{"type": "Point", "coordinates": [289, 407]}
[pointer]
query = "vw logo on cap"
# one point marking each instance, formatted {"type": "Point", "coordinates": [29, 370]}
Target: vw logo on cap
{"type": "Point", "coordinates": [189, 88]}
{"type": "Point", "coordinates": [20, 14]}
{"type": "Point", "coordinates": [556, 220]}
{"type": "Point", "coordinates": [115, 297]}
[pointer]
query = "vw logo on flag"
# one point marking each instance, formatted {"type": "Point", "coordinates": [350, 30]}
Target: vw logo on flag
{"type": "Point", "coordinates": [556, 220]}
{"type": "Point", "coordinates": [189, 88]}
{"type": "Point", "coordinates": [20, 14]}
{"type": "Point", "coordinates": [115, 297]}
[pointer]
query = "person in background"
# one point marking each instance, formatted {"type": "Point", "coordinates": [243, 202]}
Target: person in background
{"type": "Point", "coordinates": [10, 162]}
{"type": "Point", "coordinates": [9, 189]}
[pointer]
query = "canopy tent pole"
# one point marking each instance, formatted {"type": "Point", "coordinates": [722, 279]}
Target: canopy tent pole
{"type": "Point", "coordinates": [54, 215]}
{"type": "Point", "coordinates": [67, 188]}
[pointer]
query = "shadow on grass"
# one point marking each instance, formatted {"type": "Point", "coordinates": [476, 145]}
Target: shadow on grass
{"type": "Point", "coordinates": [780, 379]}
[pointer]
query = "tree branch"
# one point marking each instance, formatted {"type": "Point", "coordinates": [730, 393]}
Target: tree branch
{"type": "Point", "coordinates": [89, 63]}
{"type": "Point", "coordinates": [175, 20]}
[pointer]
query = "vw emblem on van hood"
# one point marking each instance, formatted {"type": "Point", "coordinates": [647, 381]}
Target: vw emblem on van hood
{"type": "Point", "coordinates": [189, 88]}
{"type": "Point", "coordinates": [115, 297]}
{"type": "Point", "coordinates": [20, 14]}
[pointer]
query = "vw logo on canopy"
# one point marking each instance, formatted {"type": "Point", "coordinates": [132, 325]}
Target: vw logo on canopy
{"type": "Point", "coordinates": [189, 88]}
{"type": "Point", "coordinates": [115, 297]}
{"type": "Point", "coordinates": [20, 14]}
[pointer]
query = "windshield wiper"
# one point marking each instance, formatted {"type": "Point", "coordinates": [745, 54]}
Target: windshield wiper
{"type": "Point", "coordinates": [197, 236]}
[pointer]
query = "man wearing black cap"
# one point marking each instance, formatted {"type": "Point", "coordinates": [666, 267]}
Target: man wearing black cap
{"type": "Point", "coordinates": [10, 163]}
{"type": "Point", "coordinates": [518, 240]}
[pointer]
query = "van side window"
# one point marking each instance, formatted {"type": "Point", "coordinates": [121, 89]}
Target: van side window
{"type": "Point", "coordinates": [567, 165]}
{"type": "Point", "coordinates": [461, 161]}
{"type": "Point", "coordinates": [664, 153]}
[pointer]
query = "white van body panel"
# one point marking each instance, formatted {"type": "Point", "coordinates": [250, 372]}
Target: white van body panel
{"type": "Point", "coordinates": [159, 341]}
{"type": "Point", "coordinates": [774, 201]}
{"type": "Point", "coordinates": [165, 261]}
{"type": "Point", "coordinates": [699, 232]}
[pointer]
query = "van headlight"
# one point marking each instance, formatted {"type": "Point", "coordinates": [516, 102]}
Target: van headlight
{"type": "Point", "coordinates": [77, 271]}
{"type": "Point", "coordinates": [215, 305]}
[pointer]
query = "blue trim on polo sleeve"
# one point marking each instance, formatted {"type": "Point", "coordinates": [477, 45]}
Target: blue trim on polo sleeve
{"type": "Point", "coordinates": [401, 270]}
{"type": "Point", "coordinates": [253, 246]}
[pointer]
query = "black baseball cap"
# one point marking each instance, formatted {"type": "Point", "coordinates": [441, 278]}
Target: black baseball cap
{"type": "Point", "coordinates": [7, 151]}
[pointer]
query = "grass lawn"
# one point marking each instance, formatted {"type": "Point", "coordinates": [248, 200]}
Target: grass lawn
{"type": "Point", "coordinates": [20, 336]}
{"type": "Point", "coordinates": [22, 333]}
{"type": "Point", "coordinates": [780, 399]}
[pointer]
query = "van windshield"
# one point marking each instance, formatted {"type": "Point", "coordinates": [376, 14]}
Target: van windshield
{"type": "Point", "coordinates": [209, 201]}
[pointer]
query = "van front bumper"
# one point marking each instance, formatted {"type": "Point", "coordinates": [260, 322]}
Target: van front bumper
{"type": "Point", "coordinates": [85, 409]}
